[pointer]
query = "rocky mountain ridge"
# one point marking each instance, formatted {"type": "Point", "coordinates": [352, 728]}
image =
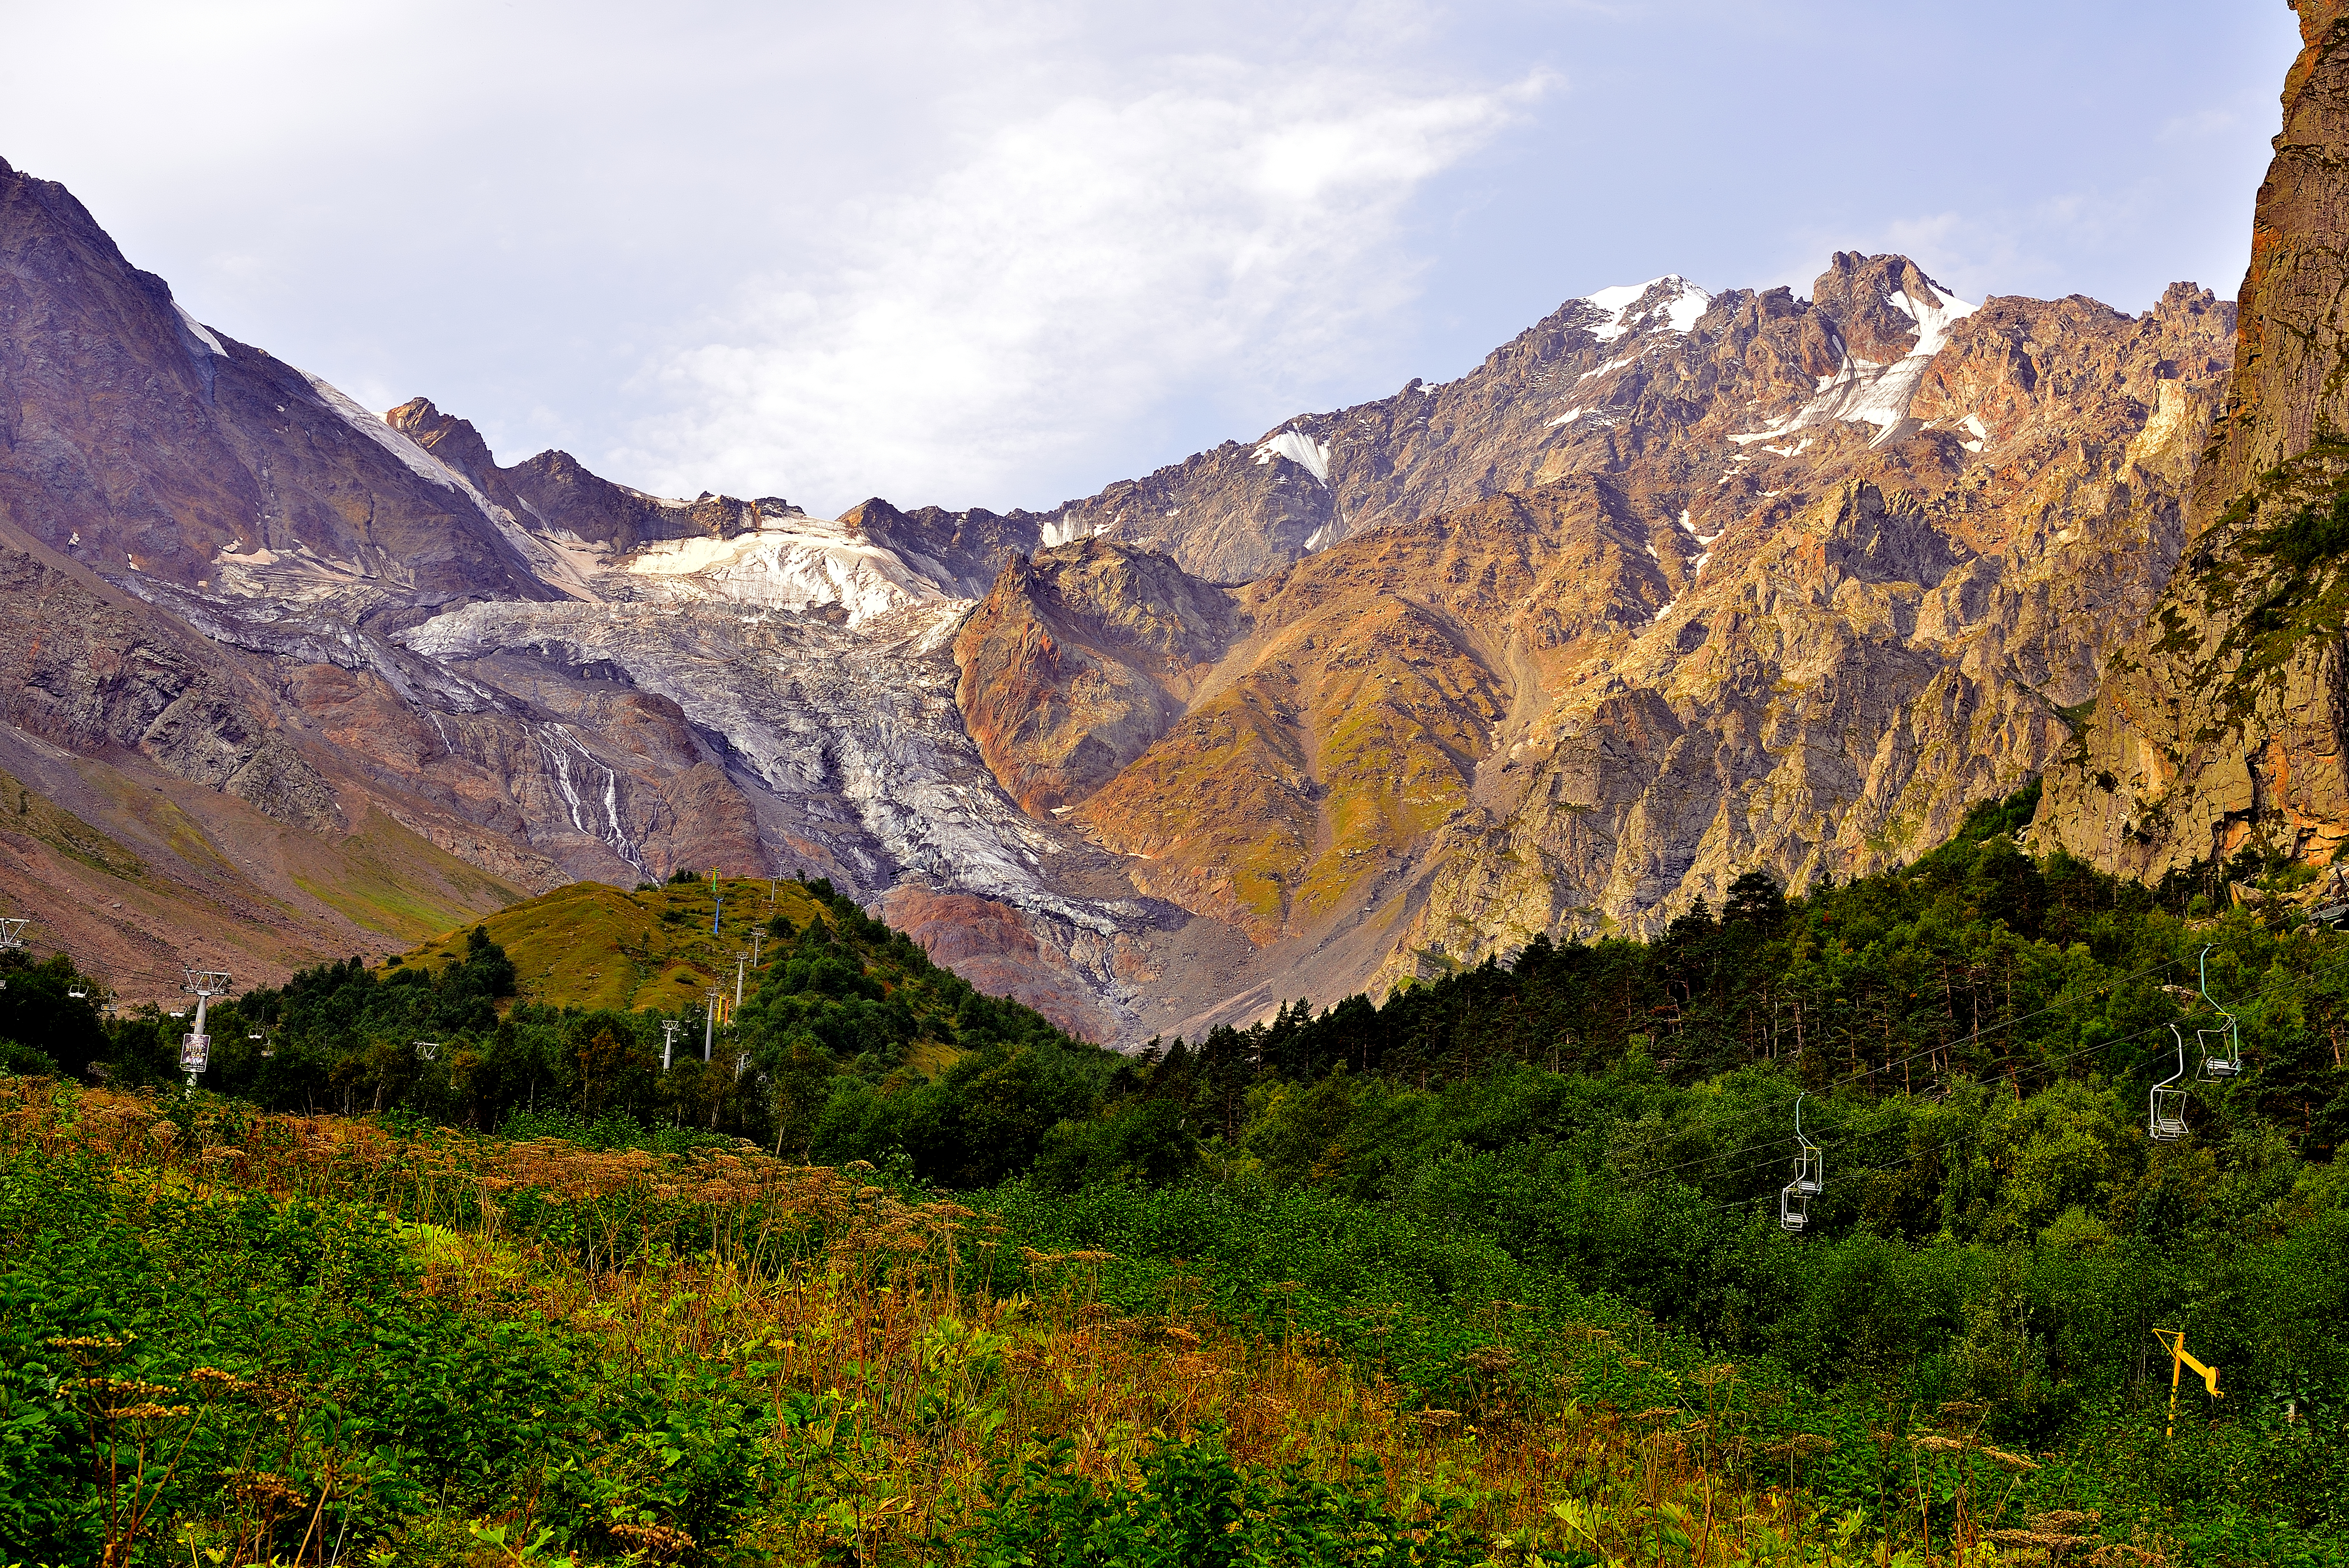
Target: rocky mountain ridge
{"type": "Point", "coordinates": [1573, 707]}
{"type": "Point", "coordinates": [1673, 585]}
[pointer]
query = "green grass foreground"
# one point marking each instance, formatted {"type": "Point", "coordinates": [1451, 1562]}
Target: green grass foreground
{"type": "Point", "coordinates": [236, 1337]}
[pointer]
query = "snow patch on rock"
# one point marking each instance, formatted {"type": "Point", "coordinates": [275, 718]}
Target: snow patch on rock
{"type": "Point", "coordinates": [1861, 391]}
{"type": "Point", "coordinates": [1675, 305]}
{"type": "Point", "coordinates": [200, 331]}
{"type": "Point", "coordinates": [788, 564]}
{"type": "Point", "coordinates": [1056, 531]}
{"type": "Point", "coordinates": [1301, 449]}
{"type": "Point", "coordinates": [415, 458]}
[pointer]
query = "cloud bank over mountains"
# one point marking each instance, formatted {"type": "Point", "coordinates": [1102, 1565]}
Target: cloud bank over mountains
{"type": "Point", "coordinates": [1235, 222]}
{"type": "Point", "coordinates": [999, 254]}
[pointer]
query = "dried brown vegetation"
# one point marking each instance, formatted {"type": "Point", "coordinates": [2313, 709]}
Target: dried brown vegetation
{"type": "Point", "coordinates": [911, 1355]}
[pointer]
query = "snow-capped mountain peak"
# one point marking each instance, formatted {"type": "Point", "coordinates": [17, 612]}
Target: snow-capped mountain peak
{"type": "Point", "coordinates": [1670, 301]}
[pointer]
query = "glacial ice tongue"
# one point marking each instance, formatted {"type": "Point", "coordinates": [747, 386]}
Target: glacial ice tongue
{"type": "Point", "coordinates": [815, 710]}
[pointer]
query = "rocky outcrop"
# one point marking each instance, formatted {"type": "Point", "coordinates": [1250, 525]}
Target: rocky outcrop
{"type": "Point", "coordinates": [2220, 727]}
{"type": "Point", "coordinates": [2289, 388]}
{"type": "Point", "coordinates": [960, 551]}
{"type": "Point", "coordinates": [560, 497]}
{"type": "Point", "coordinates": [1077, 660]}
{"type": "Point", "coordinates": [1349, 724]}
{"type": "Point", "coordinates": [1576, 706]}
{"type": "Point", "coordinates": [137, 441]}
{"type": "Point", "coordinates": [83, 669]}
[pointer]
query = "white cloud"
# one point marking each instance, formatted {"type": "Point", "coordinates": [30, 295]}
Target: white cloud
{"type": "Point", "coordinates": [1003, 250]}
{"type": "Point", "coordinates": [2203, 125]}
{"type": "Point", "coordinates": [1087, 261]}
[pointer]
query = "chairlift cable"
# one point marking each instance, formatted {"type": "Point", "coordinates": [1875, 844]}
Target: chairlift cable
{"type": "Point", "coordinates": [1888, 1065]}
{"type": "Point", "coordinates": [1766, 1164]}
{"type": "Point", "coordinates": [2020, 1068]}
{"type": "Point", "coordinates": [1888, 1165]}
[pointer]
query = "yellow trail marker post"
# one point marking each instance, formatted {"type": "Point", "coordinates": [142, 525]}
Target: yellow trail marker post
{"type": "Point", "coordinates": [2174, 1341]}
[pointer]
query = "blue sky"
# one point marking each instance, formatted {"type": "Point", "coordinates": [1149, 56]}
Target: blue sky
{"type": "Point", "coordinates": [1000, 254]}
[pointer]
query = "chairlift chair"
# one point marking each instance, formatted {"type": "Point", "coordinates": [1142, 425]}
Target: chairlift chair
{"type": "Point", "coordinates": [2221, 1046]}
{"type": "Point", "coordinates": [2221, 1054]}
{"type": "Point", "coordinates": [2333, 905]}
{"type": "Point", "coordinates": [1810, 1178]}
{"type": "Point", "coordinates": [2166, 1107]}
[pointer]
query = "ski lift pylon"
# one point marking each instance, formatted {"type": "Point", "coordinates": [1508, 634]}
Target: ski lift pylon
{"type": "Point", "coordinates": [11, 937]}
{"type": "Point", "coordinates": [1810, 1178]}
{"type": "Point", "coordinates": [2165, 1116]}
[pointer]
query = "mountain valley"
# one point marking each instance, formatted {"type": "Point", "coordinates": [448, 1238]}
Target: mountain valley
{"type": "Point", "coordinates": [1703, 944]}
{"type": "Point", "coordinates": [1673, 586]}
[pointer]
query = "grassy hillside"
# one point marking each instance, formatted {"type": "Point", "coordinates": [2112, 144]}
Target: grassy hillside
{"type": "Point", "coordinates": [592, 945]}
{"type": "Point", "coordinates": [440, 1349]}
{"type": "Point", "coordinates": [557, 1006]}
{"type": "Point", "coordinates": [179, 873]}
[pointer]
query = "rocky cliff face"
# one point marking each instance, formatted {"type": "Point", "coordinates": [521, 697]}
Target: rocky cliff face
{"type": "Point", "coordinates": [552, 495]}
{"type": "Point", "coordinates": [220, 573]}
{"type": "Point", "coordinates": [1651, 382]}
{"type": "Point", "coordinates": [2287, 389]}
{"type": "Point", "coordinates": [1806, 593]}
{"type": "Point", "coordinates": [1077, 660]}
{"type": "Point", "coordinates": [1674, 585]}
{"type": "Point", "coordinates": [144, 445]}
{"type": "Point", "coordinates": [82, 669]}
{"type": "Point", "coordinates": [2220, 728]}
{"type": "Point", "coordinates": [159, 804]}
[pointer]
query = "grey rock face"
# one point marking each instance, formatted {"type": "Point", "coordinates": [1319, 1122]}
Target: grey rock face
{"type": "Point", "coordinates": [91, 674]}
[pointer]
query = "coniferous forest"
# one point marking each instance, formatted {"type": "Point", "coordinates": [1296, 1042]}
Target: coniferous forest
{"type": "Point", "coordinates": [1493, 1269]}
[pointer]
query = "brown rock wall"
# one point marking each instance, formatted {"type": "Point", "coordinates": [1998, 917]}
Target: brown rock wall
{"type": "Point", "coordinates": [1576, 706]}
{"type": "Point", "coordinates": [2289, 381]}
{"type": "Point", "coordinates": [1075, 662]}
{"type": "Point", "coordinates": [2219, 727]}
